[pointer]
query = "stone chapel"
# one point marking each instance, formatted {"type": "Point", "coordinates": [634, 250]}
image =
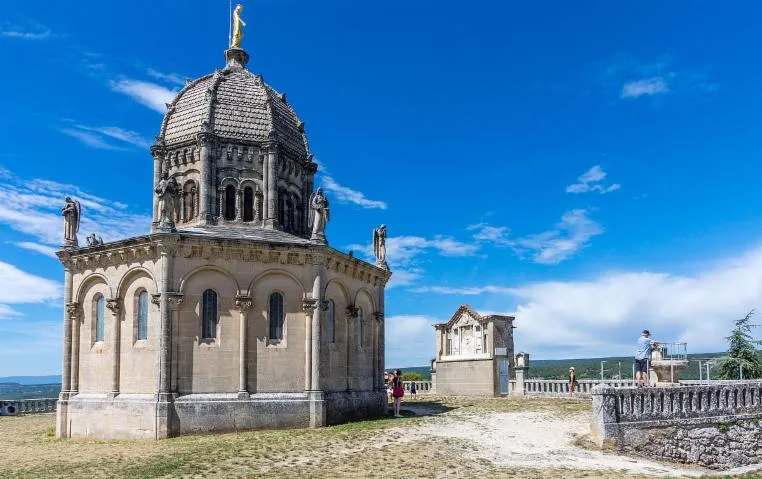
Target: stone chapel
{"type": "Point", "coordinates": [233, 313]}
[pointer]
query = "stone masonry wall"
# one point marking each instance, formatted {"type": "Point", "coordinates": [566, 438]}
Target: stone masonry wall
{"type": "Point", "coordinates": [714, 425]}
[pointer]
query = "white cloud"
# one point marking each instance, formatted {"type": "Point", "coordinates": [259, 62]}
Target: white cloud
{"type": "Point", "coordinates": [650, 86]}
{"type": "Point", "coordinates": [37, 247]}
{"type": "Point", "coordinates": [409, 341]}
{"type": "Point", "coordinates": [34, 206]}
{"type": "Point", "coordinates": [20, 287]}
{"type": "Point", "coordinates": [35, 31]}
{"type": "Point", "coordinates": [491, 234]}
{"type": "Point", "coordinates": [592, 180]}
{"type": "Point", "coordinates": [125, 136]}
{"type": "Point", "coordinates": [167, 77]}
{"type": "Point", "coordinates": [148, 94]}
{"type": "Point", "coordinates": [348, 195]}
{"type": "Point", "coordinates": [98, 136]}
{"type": "Point", "coordinates": [404, 276]}
{"type": "Point", "coordinates": [604, 316]}
{"type": "Point", "coordinates": [572, 233]}
{"type": "Point", "coordinates": [402, 249]}
{"type": "Point", "coordinates": [90, 139]}
{"type": "Point", "coordinates": [465, 291]}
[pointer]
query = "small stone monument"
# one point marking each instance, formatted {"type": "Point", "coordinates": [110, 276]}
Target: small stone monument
{"type": "Point", "coordinates": [522, 365]}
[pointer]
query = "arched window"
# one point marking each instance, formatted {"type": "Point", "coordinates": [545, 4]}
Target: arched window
{"type": "Point", "coordinates": [230, 202]}
{"type": "Point", "coordinates": [479, 338]}
{"type": "Point", "coordinates": [189, 201]}
{"type": "Point", "coordinates": [248, 204]}
{"type": "Point", "coordinates": [281, 209]}
{"type": "Point", "coordinates": [209, 315]}
{"type": "Point", "coordinates": [276, 316]}
{"type": "Point", "coordinates": [360, 325]}
{"type": "Point", "coordinates": [330, 316]}
{"type": "Point", "coordinates": [143, 315]}
{"type": "Point", "coordinates": [100, 314]}
{"type": "Point", "coordinates": [289, 215]}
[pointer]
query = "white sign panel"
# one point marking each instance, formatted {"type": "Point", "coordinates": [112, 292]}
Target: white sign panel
{"type": "Point", "coordinates": [501, 351]}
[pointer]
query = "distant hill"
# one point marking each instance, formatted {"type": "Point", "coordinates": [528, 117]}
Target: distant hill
{"type": "Point", "coordinates": [30, 380]}
{"type": "Point", "coordinates": [9, 391]}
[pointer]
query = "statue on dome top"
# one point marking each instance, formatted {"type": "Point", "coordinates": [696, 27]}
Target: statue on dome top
{"type": "Point", "coordinates": [238, 25]}
{"type": "Point", "coordinates": [319, 216]}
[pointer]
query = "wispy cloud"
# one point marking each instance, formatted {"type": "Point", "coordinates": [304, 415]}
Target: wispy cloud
{"type": "Point", "coordinates": [571, 234]}
{"type": "Point", "coordinates": [491, 234]}
{"type": "Point", "coordinates": [344, 194]}
{"type": "Point", "coordinates": [167, 77]}
{"type": "Point", "coordinates": [592, 181]}
{"type": "Point", "coordinates": [152, 95]}
{"type": "Point", "coordinates": [33, 207]}
{"type": "Point", "coordinates": [465, 291]}
{"type": "Point", "coordinates": [650, 86]}
{"type": "Point", "coordinates": [37, 247]}
{"type": "Point", "coordinates": [32, 30]}
{"type": "Point", "coordinates": [97, 137]}
{"type": "Point", "coordinates": [20, 287]}
{"type": "Point", "coordinates": [409, 340]}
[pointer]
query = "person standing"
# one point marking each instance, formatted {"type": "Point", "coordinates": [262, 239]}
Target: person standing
{"type": "Point", "coordinates": [642, 357]}
{"type": "Point", "coordinates": [412, 389]}
{"type": "Point", "coordinates": [398, 390]}
{"type": "Point", "coordinates": [572, 381]}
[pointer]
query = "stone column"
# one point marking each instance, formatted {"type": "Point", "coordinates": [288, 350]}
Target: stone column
{"type": "Point", "coordinates": [182, 207]}
{"type": "Point", "coordinates": [167, 300]}
{"type": "Point", "coordinates": [350, 316]}
{"type": "Point", "coordinates": [271, 208]}
{"type": "Point", "coordinates": [244, 304]}
{"type": "Point", "coordinates": [308, 184]}
{"type": "Point", "coordinates": [238, 204]}
{"type": "Point", "coordinates": [378, 365]}
{"type": "Point", "coordinates": [113, 306]}
{"type": "Point", "coordinates": [206, 141]}
{"type": "Point", "coordinates": [381, 337]}
{"type": "Point", "coordinates": [66, 370]}
{"type": "Point", "coordinates": [490, 343]}
{"type": "Point", "coordinates": [309, 306]}
{"type": "Point", "coordinates": [73, 310]}
{"type": "Point", "coordinates": [317, 294]}
{"type": "Point", "coordinates": [158, 152]}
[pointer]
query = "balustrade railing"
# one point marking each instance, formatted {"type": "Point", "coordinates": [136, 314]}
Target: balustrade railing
{"type": "Point", "coordinates": [27, 406]}
{"type": "Point", "coordinates": [561, 387]}
{"type": "Point", "coordinates": [421, 387]}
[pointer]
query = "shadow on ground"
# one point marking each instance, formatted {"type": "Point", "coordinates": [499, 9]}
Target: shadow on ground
{"type": "Point", "coordinates": [420, 408]}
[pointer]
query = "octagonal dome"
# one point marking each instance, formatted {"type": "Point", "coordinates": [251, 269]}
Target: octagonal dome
{"type": "Point", "coordinates": [234, 105]}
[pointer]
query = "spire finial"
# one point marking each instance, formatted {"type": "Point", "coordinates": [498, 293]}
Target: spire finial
{"type": "Point", "coordinates": [238, 25]}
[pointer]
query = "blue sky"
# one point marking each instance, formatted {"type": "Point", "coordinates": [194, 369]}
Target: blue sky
{"type": "Point", "coordinates": [593, 168]}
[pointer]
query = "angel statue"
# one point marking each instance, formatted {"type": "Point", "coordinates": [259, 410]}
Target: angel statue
{"type": "Point", "coordinates": [319, 216]}
{"type": "Point", "coordinates": [238, 25]}
{"type": "Point", "coordinates": [379, 246]}
{"type": "Point", "coordinates": [72, 213]}
{"type": "Point", "coordinates": [167, 189]}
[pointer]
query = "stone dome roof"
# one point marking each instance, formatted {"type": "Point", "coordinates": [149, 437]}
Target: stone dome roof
{"type": "Point", "coordinates": [235, 105]}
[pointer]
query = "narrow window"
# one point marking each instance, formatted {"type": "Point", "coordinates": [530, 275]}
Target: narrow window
{"type": "Point", "coordinates": [290, 217]}
{"type": "Point", "coordinates": [209, 315]}
{"type": "Point", "coordinates": [248, 204]}
{"type": "Point", "coordinates": [360, 326]}
{"type": "Point", "coordinates": [479, 338]}
{"type": "Point", "coordinates": [230, 202]}
{"type": "Point", "coordinates": [143, 315]}
{"type": "Point", "coordinates": [276, 316]}
{"type": "Point", "coordinates": [331, 322]}
{"type": "Point", "coordinates": [100, 312]}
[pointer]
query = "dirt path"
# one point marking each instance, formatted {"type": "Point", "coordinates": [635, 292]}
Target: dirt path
{"type": "Point", "coordinates": [533, 440]}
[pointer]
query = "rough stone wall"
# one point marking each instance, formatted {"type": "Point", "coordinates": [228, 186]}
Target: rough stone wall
{"type": "Point", "coordinates": [470, 377]}
{"type": "Point", "coordinates": [717, 445]}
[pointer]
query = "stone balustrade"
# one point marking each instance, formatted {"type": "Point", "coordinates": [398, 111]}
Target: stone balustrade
{"type": "Point", "coordinates": [30, 406]}
{"type": "Point", "coordinates": [560, 387]}
{"type": "Point", "coordinates": [421, 387]}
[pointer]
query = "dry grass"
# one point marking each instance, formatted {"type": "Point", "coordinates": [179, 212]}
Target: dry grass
{"type": "Point", "coordinates": [368, 449]}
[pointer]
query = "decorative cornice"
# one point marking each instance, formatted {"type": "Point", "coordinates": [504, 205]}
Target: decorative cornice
{"type": "Point", "coordinates": [243, 303]}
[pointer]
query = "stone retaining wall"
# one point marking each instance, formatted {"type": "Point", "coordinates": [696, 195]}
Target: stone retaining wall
{"type": "Point", "coordinates": [714, 425]}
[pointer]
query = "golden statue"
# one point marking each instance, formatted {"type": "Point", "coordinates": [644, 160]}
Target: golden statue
{"type": "Point", "coordinates": [238, 25]}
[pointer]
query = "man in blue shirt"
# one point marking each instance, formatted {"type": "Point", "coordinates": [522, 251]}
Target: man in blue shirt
{"type": "Point", "coordinates": [642, 357]}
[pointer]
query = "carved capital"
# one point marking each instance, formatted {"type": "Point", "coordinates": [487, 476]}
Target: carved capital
{"type": "Point", "coordinates": [244, 303]}
{"type": "Point", "coordinates": [156, 299]}
{"type": "Point", "coordinates": [158, 151]}
{"type": "Point", "coordinates": [352, 311]}
{"type": "Point", "coordinates": [378, 315]}
{"type": "Point", "coordinates": [71, 310]}
{"type": "Point", "coordinates": [309, 305]}
{"type": "Point", "coordinates": [113, 305]}
{"type": "Point", "coordinates": [205, 138]}
{"type": "Point", "coordinates": [175, 299]}
{"type": "Point", "coordinates": [167, 246]}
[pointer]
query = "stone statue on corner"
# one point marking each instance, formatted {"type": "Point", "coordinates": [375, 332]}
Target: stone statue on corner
{"type": "Point", "coordinates": [72, 213]}
{"type": "Point", "coordinates": [319, 216]}
{"type": "Point", "coordinates": [94, 240]}
{"type": "Point", "coordinates": [379, 247]}
{"type": "Point", "coordinates": [167, 190]}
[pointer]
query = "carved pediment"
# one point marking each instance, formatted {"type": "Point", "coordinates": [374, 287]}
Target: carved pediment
{"type": "Point", "coordinates": [464, 316]}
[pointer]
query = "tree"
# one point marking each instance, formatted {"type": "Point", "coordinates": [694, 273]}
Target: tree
{"type": "Point", "coordinates": [412, 376]}
{"type": "Point", "coordinates": [742, 353]}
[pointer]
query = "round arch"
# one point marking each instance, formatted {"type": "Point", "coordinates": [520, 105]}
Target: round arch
{"type": "Point", "coordinates": [339, 285]}
{"type": "Point", "coordinates": [91, 279]}
{"type": "Point", "coordinates": [184, 281]}
{"type": "Point", "coordinates": [269, 272]}
{"type": "Point", "coordinates": [128, 276]}
{"type": "Point", "coordinates": [370, 297]}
